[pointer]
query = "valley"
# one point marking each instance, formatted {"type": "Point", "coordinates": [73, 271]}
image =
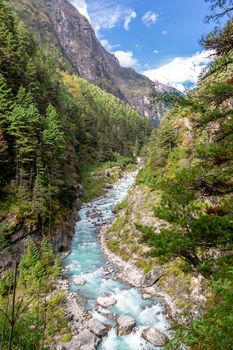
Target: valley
{"type": "Point", "coordinates": [92, 275]}
{"type": "Point", "coordinates": [116, 215]}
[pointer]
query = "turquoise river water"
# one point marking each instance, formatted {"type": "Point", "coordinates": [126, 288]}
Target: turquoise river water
{"type": "Point", "coordinates": [88, 260]}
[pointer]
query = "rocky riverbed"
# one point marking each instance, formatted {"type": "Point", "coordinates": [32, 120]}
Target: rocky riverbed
{"type": "Point", "coordinates": [129, 273]}
{"type": "Point", "coordinates": [110, 305]}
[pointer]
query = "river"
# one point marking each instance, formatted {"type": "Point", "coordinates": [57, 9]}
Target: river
{"type": "Point", "coordinates": [89, 261]}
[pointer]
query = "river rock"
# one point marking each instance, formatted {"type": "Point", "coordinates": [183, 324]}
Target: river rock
{"type": "Point", "coordinates": [146, 296]}
{"type": "Point", "coordinates": [61, 347]}
{"type": "Point", "coordinates": [98, 327]}
{"type": "Point", "coordinates": [154, 336]}
{"type": "Point", "coordinates": [125, 325]}
{"type": "Point", "coordinates": [106, 271]}
{"type": "Point", "coordinates": [86, 340]}
{"type": "Point", "coordinates": [112, 317]}
{"type": "Point", "coordinates": [151, 277]}
{"type": "Point", "coordinates": [79, 281]}
{"type": "Point", "coordinates": [114, 209]}
{"type": "Point", "coordinates": [106, 301]}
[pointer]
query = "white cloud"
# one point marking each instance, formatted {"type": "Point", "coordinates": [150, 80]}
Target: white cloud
{"type": "Point", "coordinates": [108, 14]}
{"type": "Point", "coordinates": [155, 51]}
{"type": "Point", "coordinates": [181, 70]}
{"type": "Point", "coordinates": [164, 32]}
{"type": "Point", "coordinates": [149, 18]}
{"type": "Point", "coordinates": [132, 14]}
{"type": "Point", "coordinates": [126, 58]}
{"type": "Point", "coordinates": [81, 6]}
{"type": "Point", "coordinates": [106, 44]}
{"type": "Point", "coordinates": [106, 20]}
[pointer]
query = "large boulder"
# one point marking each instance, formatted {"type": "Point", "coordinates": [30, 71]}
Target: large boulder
{"type": "Point", "coordinates": [154, 336]}
{"type": "Point", "coordinates": [86, 340]}
{"type": "Point", "coordinates": [151, 277]}
{"type": "Point", "coordinates": [98, 327]}
{"type": "Point", "coordinates": [125, 325]}
{"type": "Point", "coordinates": [106, 301]}
{"type": "Point", "coordinates": [79, 280]}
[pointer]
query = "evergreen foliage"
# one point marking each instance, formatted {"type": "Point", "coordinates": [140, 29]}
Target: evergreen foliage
{"type": "Point", "coordinates": [190, 167]}
{"type": "Point", "coordinates": [32, 310]}
{"type": "Point", "coordinates": [51, 127]}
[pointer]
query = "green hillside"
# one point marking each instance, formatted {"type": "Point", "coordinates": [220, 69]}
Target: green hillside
{"type": "Point", "coordinates": [187, 193]}
{"type": "Point", "coordinates": [51, 126]}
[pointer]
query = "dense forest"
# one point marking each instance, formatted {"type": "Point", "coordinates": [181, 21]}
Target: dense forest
{"type": "Point", "coordinates": [52, 126]}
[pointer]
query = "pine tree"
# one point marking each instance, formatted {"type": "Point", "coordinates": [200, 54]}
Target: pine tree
{"type": "Point", "coordinates": [24, 98]}
{"type": "Point", "coordinates": [6, 102]}
{"type": "Point", "coordinates": [38, 203]}
{"type": "Point", "coordinates": [32, 79]}
{"type": "Point", "coordinates": [26, 46]}
{"type": "Point", "coordinates": [52, 135]}
{"type": "Point", "coordinates": [25, 124]}
{"type": "Point", "coordinates": [6, 105]}
{"type": "Point", "coordinates": [30, 257]}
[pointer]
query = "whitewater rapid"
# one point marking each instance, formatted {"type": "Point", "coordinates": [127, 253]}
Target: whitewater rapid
{"type": "Point", "coordinates": [88, 260]}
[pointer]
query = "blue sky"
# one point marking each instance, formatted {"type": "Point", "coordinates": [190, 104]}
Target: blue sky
{"type": "Point", "coordinates": [159, 38]}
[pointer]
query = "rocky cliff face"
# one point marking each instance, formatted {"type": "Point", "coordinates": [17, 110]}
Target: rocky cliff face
{"type": "Point", "coordinates": [58, 22]}
{"type": "Point", "coordinates": [80, 45]}
{"type": "Point", "coordinates": [19, 235]}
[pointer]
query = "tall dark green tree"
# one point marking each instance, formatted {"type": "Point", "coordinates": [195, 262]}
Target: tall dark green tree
{"type": "Point", "coordinates": [6, 101]}
{"type": "Point", "coordinates": [24, 126]}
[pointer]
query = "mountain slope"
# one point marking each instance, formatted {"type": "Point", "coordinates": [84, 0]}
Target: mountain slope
{"type": "Point", "coordinates": [59, 24]}
{"type": "Point", "coordinates": [50, 130]}
{"type": "Point", "coordinates": [178, 219]}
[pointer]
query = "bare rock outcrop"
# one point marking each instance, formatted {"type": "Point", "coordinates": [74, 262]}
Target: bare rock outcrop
{"type": "Point", "coordinates": [151, 277]}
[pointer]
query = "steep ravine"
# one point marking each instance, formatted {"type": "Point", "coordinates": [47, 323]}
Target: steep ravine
{"type": "Point", "coordinates": [92, 276]}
